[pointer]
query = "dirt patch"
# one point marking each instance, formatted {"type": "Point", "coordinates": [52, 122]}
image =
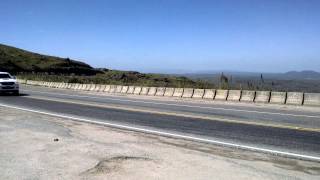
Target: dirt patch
{"type": "Point", "coordinates": [295, 166]}
{"type": "Point", "coordinates": [113, 164]}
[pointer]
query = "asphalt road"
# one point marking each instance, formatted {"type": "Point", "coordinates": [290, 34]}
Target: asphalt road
{"type": "Point", "coordinates": [259, 126]}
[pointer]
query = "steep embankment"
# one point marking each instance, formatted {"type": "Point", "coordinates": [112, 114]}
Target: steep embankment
{"type": "Point", "coordinates": [16, 60]}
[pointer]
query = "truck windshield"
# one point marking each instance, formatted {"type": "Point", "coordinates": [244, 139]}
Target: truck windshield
{"type": "Point", "coordinates": [4, 76]}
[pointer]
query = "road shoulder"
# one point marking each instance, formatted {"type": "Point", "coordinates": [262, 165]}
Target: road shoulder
{"type": "Point", "coordinates": [35, 146]}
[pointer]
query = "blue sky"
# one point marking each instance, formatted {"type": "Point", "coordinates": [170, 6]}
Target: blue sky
{"type": "Point", "coordinates": [169, 35]}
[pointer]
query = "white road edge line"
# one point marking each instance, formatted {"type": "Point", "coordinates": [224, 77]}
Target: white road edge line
{"type": "Point", "coordinates": [172, 135]}
{"type": "Point", "coordinates": [179, 105]}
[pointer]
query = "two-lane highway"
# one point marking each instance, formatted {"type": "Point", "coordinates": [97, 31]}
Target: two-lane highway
{"type": "Point", "coordinates": [281, 116]}
{"type": "Point", "coordinates": [263, 128]}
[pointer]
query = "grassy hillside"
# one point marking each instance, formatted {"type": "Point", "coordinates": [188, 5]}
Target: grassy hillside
{"type": "Point", "coordinates": [33, 66]}
{"type": "Point", "coordinates": [124, 78]}
{"type": "Point", "coordinates": [17, 60]}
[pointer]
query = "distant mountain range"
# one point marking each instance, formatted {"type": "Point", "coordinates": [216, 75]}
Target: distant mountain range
{"type": "Point", "coordinates": [291, 75]}
{"type": "Point", "coordinates": [302, 75]}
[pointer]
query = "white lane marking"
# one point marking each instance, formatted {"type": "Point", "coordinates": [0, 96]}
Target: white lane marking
{"type": "Point", "coordinates": [178, 136]}
{"type": "Point", "coordinates": [179, 105]}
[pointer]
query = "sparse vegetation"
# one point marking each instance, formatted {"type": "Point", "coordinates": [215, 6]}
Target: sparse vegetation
{"type": "Point", "coordinates": [271, 82]}
{"type": "Point", "coordinates": [123, 78]}
{"type": "Point", "coordinates": [33, 66]}
{"type": "Point", "coordinates": [17, 61]}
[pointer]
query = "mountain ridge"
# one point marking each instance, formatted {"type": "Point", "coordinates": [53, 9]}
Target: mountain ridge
{"type": "Point", "coordinates": [16, 60]}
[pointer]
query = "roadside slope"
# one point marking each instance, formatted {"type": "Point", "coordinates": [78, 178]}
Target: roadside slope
{"type": "Point", "coordinates": [17, 60]}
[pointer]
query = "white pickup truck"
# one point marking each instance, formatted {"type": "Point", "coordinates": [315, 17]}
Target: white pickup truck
{"type": "Point", "coordinates": [8, 84]}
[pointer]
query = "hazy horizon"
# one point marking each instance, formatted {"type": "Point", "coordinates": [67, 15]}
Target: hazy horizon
{"type": "Point", "coordinates": [164, 36]}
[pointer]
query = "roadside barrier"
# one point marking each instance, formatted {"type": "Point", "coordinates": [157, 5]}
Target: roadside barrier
{"type": "Point", "coordinates": [113, 88]}
{"type": "Point", "coordinates": [144, 91]}
{"type": "Point", "coordinates": [221, 95]}
{"type": "Point", "coordinates": [107, 89]}
{"type": "Point", "coordinates": [76, 86]}
{"type": "Point", "coordinates": [290, 98]}
{"type": "Point", "coordinates": [93, 87]}
{"type": "Point", "coordinates": [234, 95]}
{"type": "Point", "coordinates": [152, 91]}
{"type": "Point", "coordinates": [187, 92]}
{"type": "Point", "coordinates": [278, 97]}
{"type": "Point", "coordinates": [61, 85]}
{"type": "Point", "coordinates": [58, 85]}
{"type": "Point", "coordinates": [178, 92]}
{"type": "Point", "coordinates": [137, 90]}
{"type": "Point", "coordinates": [88, 87]}
{"type": "Point", "coordinates": [69, 86]}
{"type": "Point", "coordinates": [262, 97]}
{"type": "Point", "coordinates": [294, 98]}
{"type": "Point", "coordinates": [247, 96]}
{"type": "Point", "coordinates": [124, 89]}
{"type": "Point", "coordinates": [169, 92]}
{"type": "Point", "coordinates": [83, 87]}
{"type": "Point", "coordinates": [72, 86]}
{"type": "Point", "coordinates": [130, 90]}
{"type": "Point", "coordinates": [198, 93]}
{"type": "Point", "coordinates": [80, 87]}
{"type": "Point", "coordinates": [312, 99]}
{"type": "Point", "coordinates": [98, 86]}
{"type": "Point", "coordinates": [160, 91]}
{"type": "Point", "coordinates": [119, 88]}
{"type": "Point", "coordinates": [22, 81]}
{"type": "Point", "coordinates": [209, 94]}
{"type": "Point", "coordinates": [102, 87]}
